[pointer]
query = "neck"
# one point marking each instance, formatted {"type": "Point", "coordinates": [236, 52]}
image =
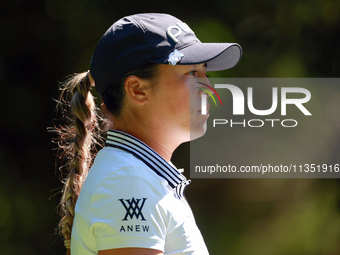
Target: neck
{"type": "Point", "coordinates": [161, 140]}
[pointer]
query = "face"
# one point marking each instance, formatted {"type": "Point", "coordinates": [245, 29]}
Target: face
{"type": "Point", "coordinates": [176, 101]}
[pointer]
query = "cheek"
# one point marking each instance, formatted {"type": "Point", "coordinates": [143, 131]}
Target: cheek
{"type": "Point", "coordinates": [181, 103]}
{"type": "Point", "coordinates": [179, 98]}
{"type": "Point", "coordinates": [173, 103]}
{"type": "Point", "coordinates": [195, 99]}
{"type": "Point", "coordinates": [175, 96]}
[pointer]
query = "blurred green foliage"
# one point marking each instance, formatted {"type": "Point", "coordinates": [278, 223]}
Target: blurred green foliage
{"type": "Point", "coordinates": [42, 41]}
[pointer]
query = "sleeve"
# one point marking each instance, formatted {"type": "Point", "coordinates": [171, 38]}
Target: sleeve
{"type": "Point", "coordinates": [128, 211]}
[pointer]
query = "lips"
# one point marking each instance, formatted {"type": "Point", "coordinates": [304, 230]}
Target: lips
{"type": "Point", "coordinates": [208, 107]}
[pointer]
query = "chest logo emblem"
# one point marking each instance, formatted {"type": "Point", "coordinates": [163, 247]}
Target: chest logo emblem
{"type": "Point", "coordinates": [133, 207]}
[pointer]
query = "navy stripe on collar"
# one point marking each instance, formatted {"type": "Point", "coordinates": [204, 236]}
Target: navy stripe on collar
{"type": "Point", "coordinates": [151, 158]}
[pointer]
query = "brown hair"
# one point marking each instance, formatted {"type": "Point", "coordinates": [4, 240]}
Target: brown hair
{"type": "Point", "coordinates": [80, 138]}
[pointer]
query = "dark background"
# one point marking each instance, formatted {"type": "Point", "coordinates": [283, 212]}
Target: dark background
{"type": "Point", "coordinates": [44, 41]}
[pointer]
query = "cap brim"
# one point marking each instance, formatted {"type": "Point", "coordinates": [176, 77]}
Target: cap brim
{"type": "Point", "coordinates": [218, 56]}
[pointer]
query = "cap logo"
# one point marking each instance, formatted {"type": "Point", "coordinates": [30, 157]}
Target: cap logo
{"type": "Point", "coordinates": [179, 28]}
{"type": "Point", "coordinates": [175, 57]}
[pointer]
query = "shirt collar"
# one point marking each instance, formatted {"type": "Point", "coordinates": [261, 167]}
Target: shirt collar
{"type": "Point", "coordinates": [151, 158]}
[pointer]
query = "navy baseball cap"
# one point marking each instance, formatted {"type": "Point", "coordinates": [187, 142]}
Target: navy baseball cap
{"type": "Point", "coordinates": [155, 38]}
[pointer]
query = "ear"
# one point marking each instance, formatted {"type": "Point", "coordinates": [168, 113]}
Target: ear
{"type": "Point", "coordinates": [136, 89]}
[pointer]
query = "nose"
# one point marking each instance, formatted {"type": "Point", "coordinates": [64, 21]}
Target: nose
{"type": "Point", "coordinates": [207, 88]}
{"type": "Point", "coordinates": [204, 83]}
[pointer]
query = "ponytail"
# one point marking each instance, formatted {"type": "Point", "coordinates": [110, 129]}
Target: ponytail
{"type": "Point", "coordinates": [76, 142]}
{"type": "Point", "coordinates": [80, 138]}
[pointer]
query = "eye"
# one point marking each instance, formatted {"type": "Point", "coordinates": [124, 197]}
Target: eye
{"type": "Point", "coordinates": [193, 73]}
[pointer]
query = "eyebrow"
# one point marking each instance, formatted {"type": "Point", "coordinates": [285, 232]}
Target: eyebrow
{"type": "Point", "coordinates": [205, 65]}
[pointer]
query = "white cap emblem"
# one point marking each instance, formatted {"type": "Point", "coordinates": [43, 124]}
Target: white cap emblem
{"type": "Point", "coordinates": [175, 57]}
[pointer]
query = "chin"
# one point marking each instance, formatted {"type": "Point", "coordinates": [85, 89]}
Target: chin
{"type": "Point", "coordinates": [196, 132]}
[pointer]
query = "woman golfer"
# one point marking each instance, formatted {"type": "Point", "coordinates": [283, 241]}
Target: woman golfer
{"type": "Point", "coordinates": [145, 68]}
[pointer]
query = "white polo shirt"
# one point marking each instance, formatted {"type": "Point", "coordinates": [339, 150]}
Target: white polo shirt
{"type": "Point", "coordinates": [132, 197]}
